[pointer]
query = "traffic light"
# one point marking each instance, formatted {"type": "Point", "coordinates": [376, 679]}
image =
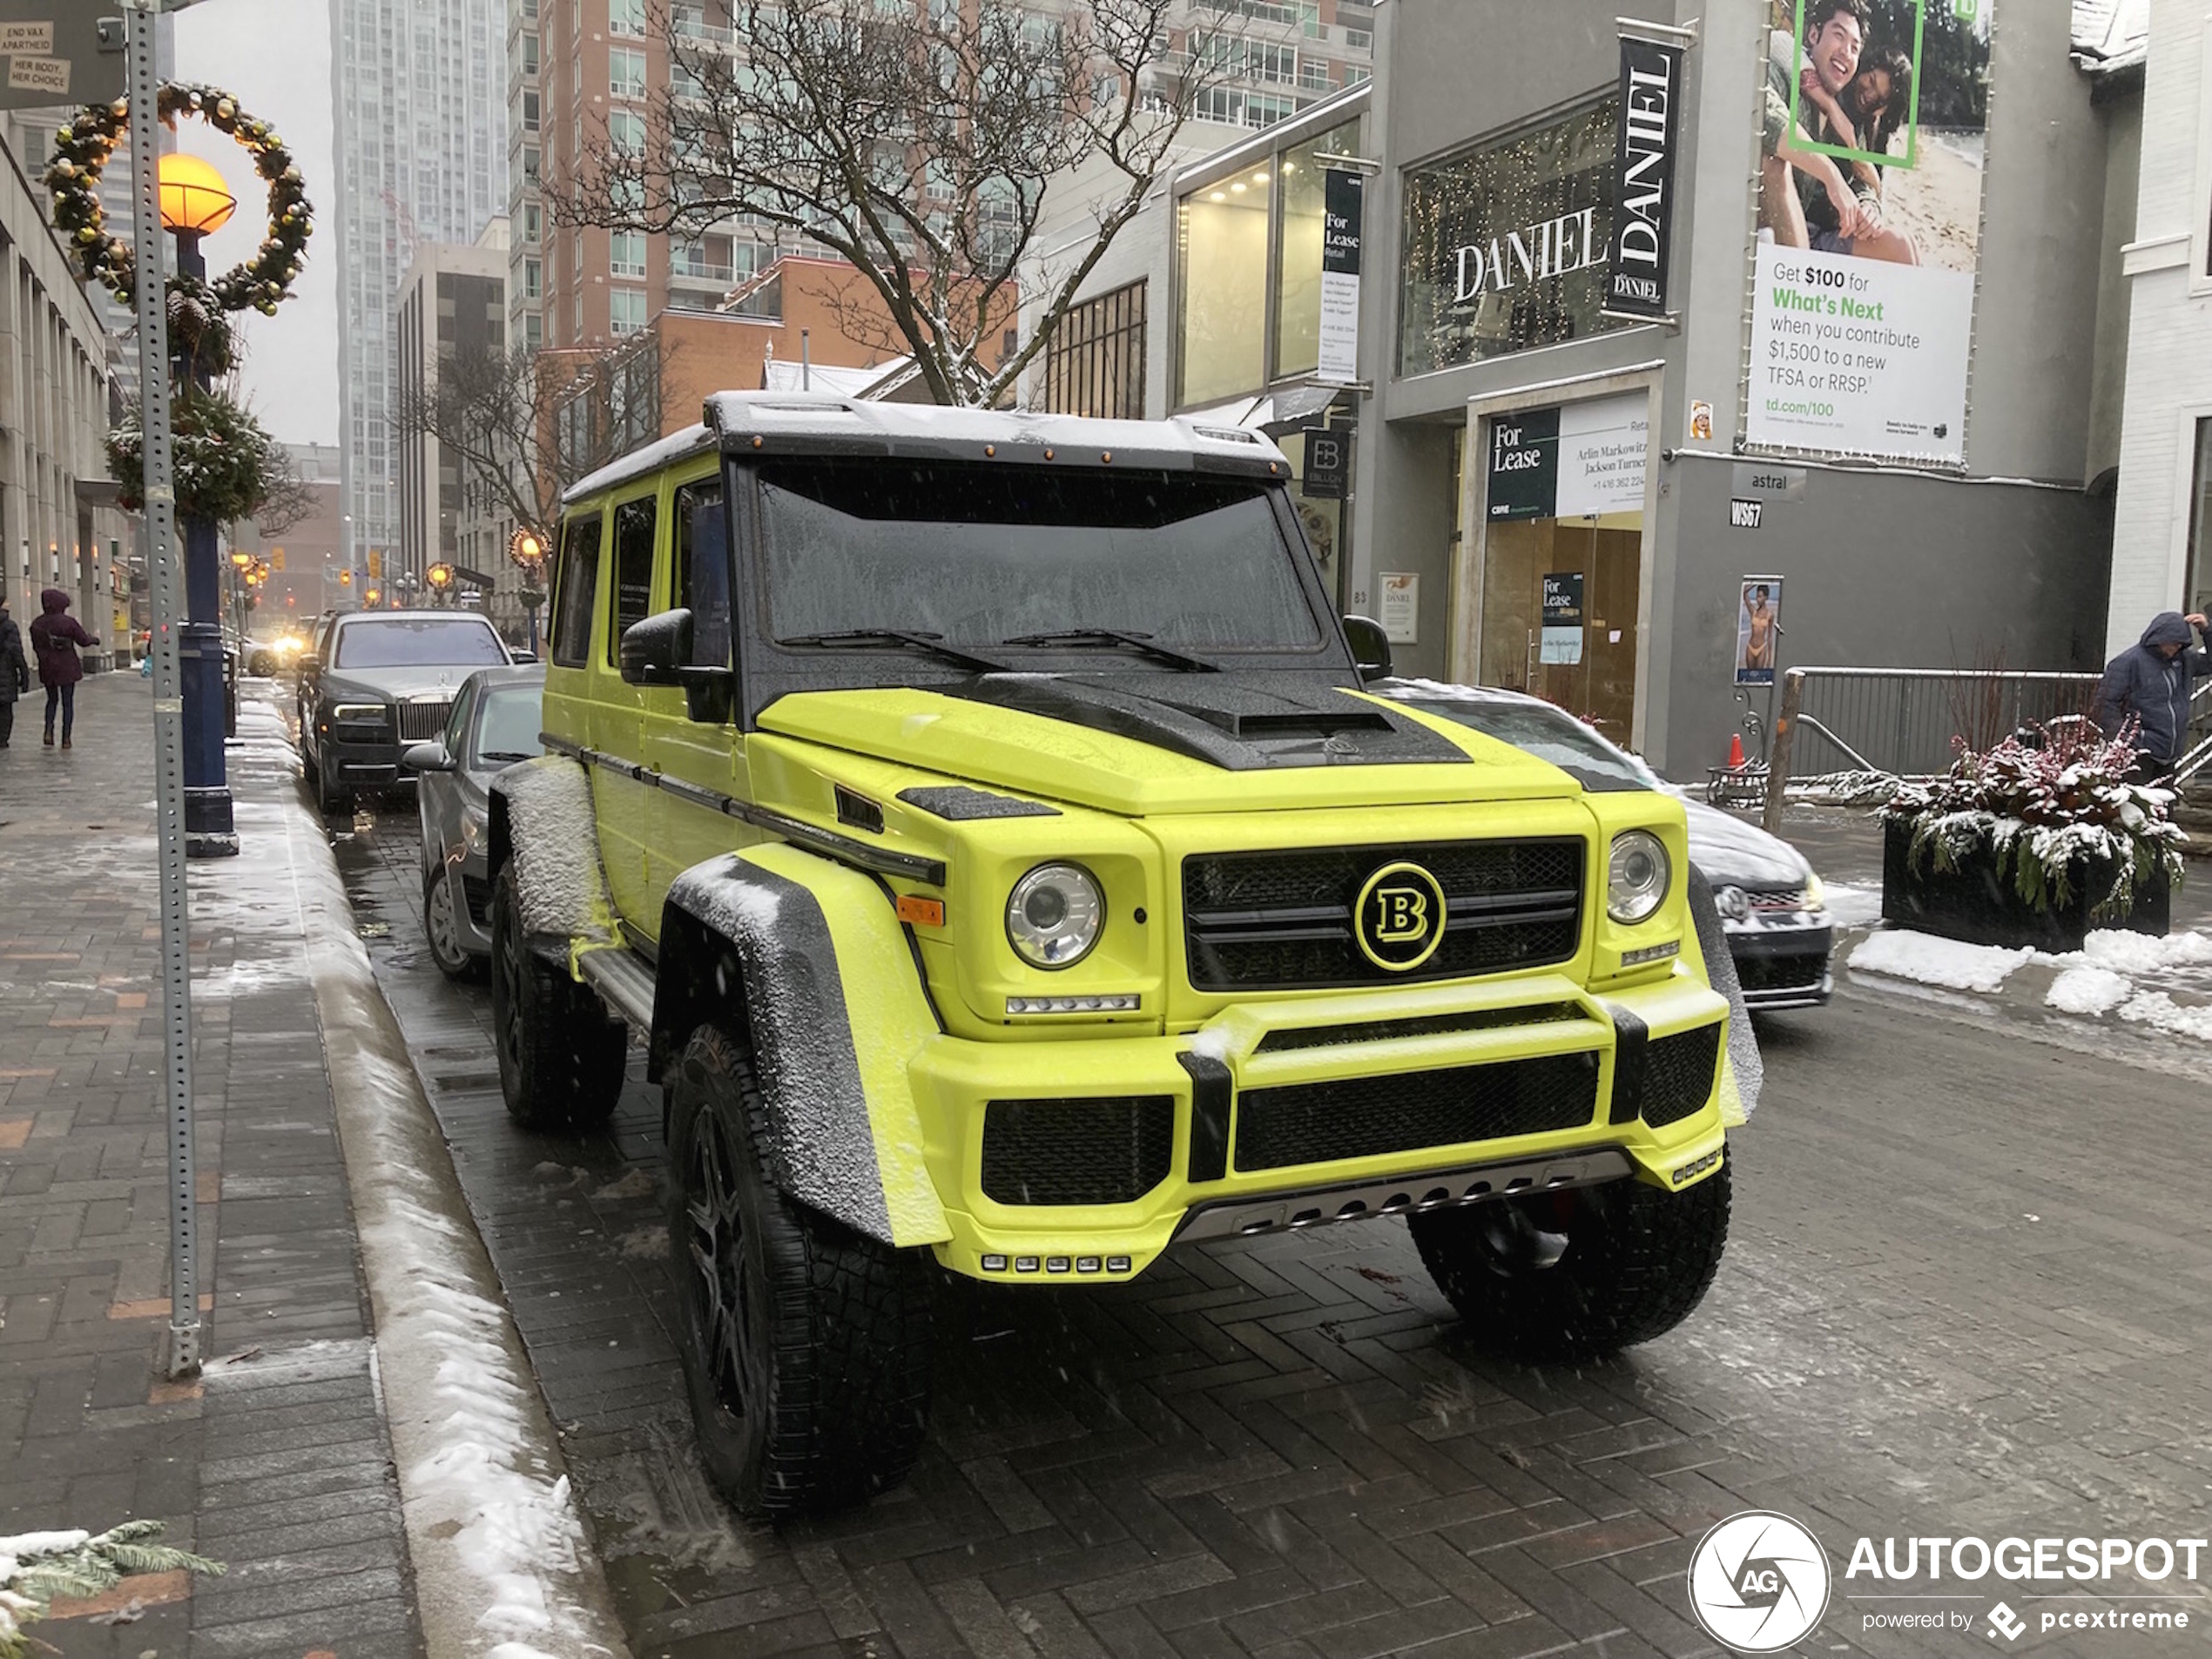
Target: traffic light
{"type": "Point", "coordinates": [374, 595]}
{"type": "Point", "coordinates": [345, 578]}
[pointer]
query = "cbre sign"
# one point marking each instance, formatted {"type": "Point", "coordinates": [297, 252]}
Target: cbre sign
{"type": "Point", "coordinates": [1647, 132]}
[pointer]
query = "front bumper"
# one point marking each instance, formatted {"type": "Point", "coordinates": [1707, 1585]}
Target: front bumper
{"type": "Point", "coordinates": [355, 760]}
{"type": "Point", "coordinates": [1782, 964]}
{"type": "Point", "coordinates": [1291, 1113]}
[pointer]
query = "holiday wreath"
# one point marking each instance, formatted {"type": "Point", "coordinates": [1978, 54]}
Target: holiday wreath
{"type": "Point", "coordinates": [81, 151]}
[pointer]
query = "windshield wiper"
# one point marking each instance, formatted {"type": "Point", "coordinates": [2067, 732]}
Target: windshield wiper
{"type": "Point", "coordinates": [1144, 642]}
{"type": "Point", "coordinates": [932, 643]}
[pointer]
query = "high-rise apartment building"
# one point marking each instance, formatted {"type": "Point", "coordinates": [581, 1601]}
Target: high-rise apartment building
{"type": "Point", "coordinates": [453, 304]}
{"type": "Point", "coordinates": [419, 100]}
{"type": "Point", "coordinates": [579, 70]}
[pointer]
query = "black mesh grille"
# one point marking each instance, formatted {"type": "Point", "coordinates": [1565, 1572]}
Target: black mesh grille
{"type": "Point", "coordinates": [1434, 1025]}
{"type": "Point", "coordinates": [1282, 920]}
{"type": "Point", "coordinates": [1781, 973]}
{"type": "Point", "coordinates": [1678, 1074]}
{"type": "Point", "coordinates": [1368, 1116]}
{"type": "Point", "coordinates": [1111, 1150]}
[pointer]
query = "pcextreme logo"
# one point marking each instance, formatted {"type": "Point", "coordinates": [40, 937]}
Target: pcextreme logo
{"type": "Point", "coordinates": [1758, 1582]}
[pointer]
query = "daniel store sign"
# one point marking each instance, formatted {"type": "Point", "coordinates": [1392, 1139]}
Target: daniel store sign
{"type": "Point", "coordinates": [1643, 215]}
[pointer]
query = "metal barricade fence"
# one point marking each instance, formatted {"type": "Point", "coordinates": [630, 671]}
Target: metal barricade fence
{"type": "Point", "coordinates": [1902, 721]}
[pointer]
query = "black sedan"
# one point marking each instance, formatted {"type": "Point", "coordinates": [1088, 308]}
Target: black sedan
{"type": "Point", "coordinates": [1770, 902]}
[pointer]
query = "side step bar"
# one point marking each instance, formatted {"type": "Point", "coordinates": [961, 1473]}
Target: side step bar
{"type": "Point", "coordinates": [624, 982]}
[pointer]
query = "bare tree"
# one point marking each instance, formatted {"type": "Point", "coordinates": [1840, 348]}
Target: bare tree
{"type": "Point", "coordinates": [524, 425]}
{"type": "Point", "coordinates": [916, 140]}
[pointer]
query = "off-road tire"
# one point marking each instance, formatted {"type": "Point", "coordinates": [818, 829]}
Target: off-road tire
{"type": "Point", "coordinates": [456, 964]}
{"type": "Point", "coordinates": [1637, 1260]}
{"type": "Point", "coordinates": [561, 1057]}
{"type": "Point", "coordinates": [805, 1344]}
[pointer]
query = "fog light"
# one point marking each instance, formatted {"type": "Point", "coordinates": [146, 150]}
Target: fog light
{"type": "Point", "coordinates": [1651, 954]}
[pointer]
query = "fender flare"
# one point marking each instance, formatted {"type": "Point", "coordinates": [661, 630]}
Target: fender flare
{"type": "Point", "coordinates": [540, 816]}
{"type": "Point", "coordinates": [1742, 1072]}
{"type": "Point", "coordinates": [806, 961]}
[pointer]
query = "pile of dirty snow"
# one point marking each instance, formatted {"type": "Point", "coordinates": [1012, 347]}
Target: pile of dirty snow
{"type": "Point", "coordinates": [1930, 961]}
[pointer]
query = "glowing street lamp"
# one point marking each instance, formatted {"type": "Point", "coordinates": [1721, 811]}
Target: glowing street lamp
{"type": "Point", "coordinates": [195, 202]}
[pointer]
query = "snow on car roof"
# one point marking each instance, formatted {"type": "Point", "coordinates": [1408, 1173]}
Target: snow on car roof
{"type": "Point", "coordinates": [745, 422]}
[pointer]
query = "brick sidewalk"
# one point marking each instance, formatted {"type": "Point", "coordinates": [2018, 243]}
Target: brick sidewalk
{"type": "Point", "coordinates": [278, 1462]}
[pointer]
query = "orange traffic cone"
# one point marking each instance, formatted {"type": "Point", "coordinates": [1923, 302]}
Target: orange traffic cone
{"type": "Point", "coordinates": [1736, 751]}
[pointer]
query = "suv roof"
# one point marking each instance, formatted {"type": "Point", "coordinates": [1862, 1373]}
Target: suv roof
{"type": "Point", "coordinates": [750, 422]}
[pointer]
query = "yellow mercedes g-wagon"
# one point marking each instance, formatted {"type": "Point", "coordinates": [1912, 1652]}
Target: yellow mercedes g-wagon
{"type": "Point", "coordinates": [1015, 869]}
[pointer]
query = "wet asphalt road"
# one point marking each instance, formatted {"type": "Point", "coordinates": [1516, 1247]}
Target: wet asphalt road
{"type": "Point", "coordinates": [1965, 1294]}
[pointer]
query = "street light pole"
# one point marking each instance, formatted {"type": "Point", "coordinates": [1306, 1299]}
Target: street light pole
{"type": "Point", "coordinates": [193, 203]}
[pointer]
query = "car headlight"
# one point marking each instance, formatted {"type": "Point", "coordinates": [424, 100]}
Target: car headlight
{"type": "Point", "coordinates": [1815, 895]}
{"type": "Point", "coordinates": [366, 713]}
{"type": "Point", "coordinates": [1053, 914]}
{"type": "Point", "coordinates": [472, 829]}
{"type": "Point", "coordinates": [1733, 903]}
{"type": "Point", "coordinates": [1637, 877]}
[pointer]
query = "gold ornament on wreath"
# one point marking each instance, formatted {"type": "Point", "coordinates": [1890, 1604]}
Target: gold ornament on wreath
{"type": "Point", "coordinates": [81, 151]}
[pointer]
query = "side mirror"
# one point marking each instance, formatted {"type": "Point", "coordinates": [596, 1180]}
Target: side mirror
{"type": "Point", "coordinates": [654, 649]}
{"type": "Point", "coordinates": [1370, 647]}
{"type": "Point", "coordinates": [309, 663]}
{"type": "Point", "coordinates": [519, 657]}
{"type": "Point", "coordinates": [425, 757]}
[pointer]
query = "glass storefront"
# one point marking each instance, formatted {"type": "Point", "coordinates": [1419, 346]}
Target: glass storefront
{"type": "Point", "coordinates": [1248, 250]}
{"type": "Point", "coordinates": [1506, 245]}
{"type": "Point", "coordinates": [1561, 553]}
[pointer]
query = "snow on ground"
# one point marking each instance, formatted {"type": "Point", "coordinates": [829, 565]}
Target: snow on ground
{"type": "Point", "coordinates": [2089, 989]}
{"type": "Point", "coordinates": [1929, 960]}
{"type": "Point", "coordinates": [1854, 904]}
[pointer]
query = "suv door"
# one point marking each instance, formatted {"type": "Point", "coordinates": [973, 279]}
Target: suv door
{"type": "Point", "coordinates": [708, 752]}
{"type": "Point", "coordinates": [617, 713]}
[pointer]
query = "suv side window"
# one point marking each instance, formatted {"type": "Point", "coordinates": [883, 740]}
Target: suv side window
{"type": "Point", "coordinates": [579, 581]}
{"type": "Point", "coordinates": [703, 570]}
{"type": "Point", "coordinates": [633, 571]}
{"type": "Point", "coordinates": [457, 731]}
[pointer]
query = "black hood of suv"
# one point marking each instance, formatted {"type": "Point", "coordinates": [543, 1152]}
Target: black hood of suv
{"type": "Point", "coordinates": [1239, 723]}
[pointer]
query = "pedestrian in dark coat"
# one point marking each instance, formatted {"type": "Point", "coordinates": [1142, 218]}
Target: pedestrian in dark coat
{"type": "Point", "coordinates": [14, 673]}
{"type": "Point", "coordinates": [2149, 684]}
{"type": "Point", "coordinates": [54, 638]}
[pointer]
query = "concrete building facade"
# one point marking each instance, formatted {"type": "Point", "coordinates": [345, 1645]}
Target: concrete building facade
{"type": "Point", "coordinates": [453, 303]}
{"type": "Point", "coordinates": [59, 525]}
{"type": "Point", "coordinates": [1495, 126]}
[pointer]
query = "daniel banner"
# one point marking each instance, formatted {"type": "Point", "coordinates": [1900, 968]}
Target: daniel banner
{"type": "Point", "coordinates": [1870, 209]}
{"type": "Point", "coordinates": [1643, 194]}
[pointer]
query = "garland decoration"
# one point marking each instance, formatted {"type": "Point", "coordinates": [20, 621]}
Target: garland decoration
{"type": "Point", "coordinates": [223, 459]}
{"type": "Point", "coordinates": [81, 151]}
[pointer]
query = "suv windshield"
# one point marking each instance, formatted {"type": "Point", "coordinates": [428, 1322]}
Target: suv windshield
{"type": "Point", "coordinates": [981, 554]}
{"type": "Point", "coordinates": [1541, 730]}
{"type": "Point", "coordinates": [411, 641]}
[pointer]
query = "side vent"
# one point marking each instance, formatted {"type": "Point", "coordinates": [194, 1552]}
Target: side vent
{"type": "Point", "coordinates": [858, 811]}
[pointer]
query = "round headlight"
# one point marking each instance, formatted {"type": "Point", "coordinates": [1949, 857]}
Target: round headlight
{"type": "Point", "coordinates": [1636, 877]}
{"type": "Point", "coordinates": [1053, 914]}
{"type": "Point", "coordinates": [1733, 903]}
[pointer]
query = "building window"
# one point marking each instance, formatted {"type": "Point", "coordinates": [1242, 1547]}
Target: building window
{"type": "Point", "coordinates": [529, 111]}
{"type": "Point", "coordinates": [625, 310]}
{"type": "Point", "coordinates": [626, 132]}
{"type": "Point", "coordinates": [533, 278]}
{"type": "Point", "coordinates": [529, 54]}
{"type": "Point", "coordinates": [626, 17]}
{"type": "Point", "coordinates": [533, 223]}
{"type": "Point", "coordinates": [626, 253]}
{"type": "Point", "coordinates": [529, 166]}
{"type": "Point", "coordinates": [1095, 365]}
{"type": "Point", "coordinates": [533, 330]}
{"type": "Point", "coordinates": [1506, 245]}
{"type": "Point", "coordinates": [2201, 519]}
{"type": "Point", "coordinates": [626, 73]}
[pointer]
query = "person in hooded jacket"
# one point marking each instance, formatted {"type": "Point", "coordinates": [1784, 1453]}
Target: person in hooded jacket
{"type": "Point", "coordinates": [2149, 684]}
{"type": "Point", "coordinates": [55, 637]}
{"type": "Point", "coordinates": [14, 673]}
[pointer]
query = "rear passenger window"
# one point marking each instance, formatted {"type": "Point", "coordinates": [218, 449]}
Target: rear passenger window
{"type": "Point", "coordinates": [633, 570]}
{"type": "Point", "coordinates": [702, 571]}
{"type": "Point", "coordinates": [577, 584]}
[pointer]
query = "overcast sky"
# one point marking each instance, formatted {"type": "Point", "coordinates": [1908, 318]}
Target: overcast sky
{"type": "Point", "coordinates": [274, 57]}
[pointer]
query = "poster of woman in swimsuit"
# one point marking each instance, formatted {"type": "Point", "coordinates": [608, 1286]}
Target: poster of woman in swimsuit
{"type": "Point", "coordinates": [1759, 620]}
